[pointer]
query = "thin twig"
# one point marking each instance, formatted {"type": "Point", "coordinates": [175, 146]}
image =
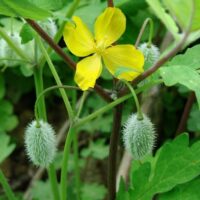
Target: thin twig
{"type": "Point", "coordinates": [112, 162]}
{"type": "Point", "coordinates": [66, 58]}
{"type": "Point", "coordinates": [186, 112]}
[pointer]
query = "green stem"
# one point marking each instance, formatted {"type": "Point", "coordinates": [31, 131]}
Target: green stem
{"type": "Point", "coordinates": [38, 77]}
{"type": "Point", "coordinates": [6, 187]}
{"type": "Point", "coordinates": [76, 165]}
{"type": "Point", "coordinates": [81, 103]}
{"type": "Point", "coordinates": [53, 181]}
{"type": "Point", "coordinates": [151, 29]}
{"type": "Point", "coordinates": [64, 167]}
{"type": "Point", "coordinates": [146, 22]}
{"type": "Point", "coordinates": [139, 112]}
{"type": "Point", "coordinates": [115, 103]}
{"type": "Point", "coordinates": [39, 88]}
{"type": "Point", "coordinates": [58, 81]}
{"type": "Point", "coordinates": [18, 51]}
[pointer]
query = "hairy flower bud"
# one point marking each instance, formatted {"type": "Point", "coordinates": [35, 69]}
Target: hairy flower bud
{"type": "Point", "coordinates": [138, 136]}
{"type": "Point", "coordinates": [40, 143]}
{"type": "Point", "coordinates": [151, 53]}
{"type": "Point", "coordinates": [50, 27]}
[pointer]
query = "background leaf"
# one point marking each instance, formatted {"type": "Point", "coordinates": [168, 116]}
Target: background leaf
{"type": "Point", "coordinates": [183, 75]}
{"type": "Point", "coordinates": [93, 192]}
{"type": "Point", "coordinates": [6, 148]}
{"type": "Point", "coordinates": [22, 8]}
{"type": "Point", "coordinates": [190, 58]}
{"type": "Point", "coordinates": [49, 4]}
{"type": "Point", "coordinates": [178, 7]}
{"type": "Point", "coordinates": [188, 191]}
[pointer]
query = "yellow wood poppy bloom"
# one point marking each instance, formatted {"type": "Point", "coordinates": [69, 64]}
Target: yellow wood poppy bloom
{"type": "Point", "coordinates": [108, 28]}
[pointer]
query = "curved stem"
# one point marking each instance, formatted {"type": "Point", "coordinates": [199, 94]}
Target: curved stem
{"type": "Point", "coordinates": [40, 95]}
{"type": "Point", "coordinates": [139, 112]}
{"type": "Point", "coordinates": [146, 22]}
{"type": "Point", "coordinates": [58, 81]}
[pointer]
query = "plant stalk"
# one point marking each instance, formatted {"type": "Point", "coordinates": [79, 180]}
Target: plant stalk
{"type": "Point", "coordinates": [9, 193]}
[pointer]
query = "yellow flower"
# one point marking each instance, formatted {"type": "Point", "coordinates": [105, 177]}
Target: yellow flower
{"type": "Point", "coordinates": [109, 26]}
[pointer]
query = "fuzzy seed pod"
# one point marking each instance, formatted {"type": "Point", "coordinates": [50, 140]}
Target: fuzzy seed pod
{"type": "Point", "coordinates": [138, 136]}
{"type": "Point", "coordinates": [151, 53]}
{"type": "Point", "coordinates": [40, 143]}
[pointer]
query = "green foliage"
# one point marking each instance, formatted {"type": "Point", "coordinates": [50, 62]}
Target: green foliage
{"type": "Point", "coordinates": [183, 75]}
{"type": "Point", "coordinates": [97, 149]}
{"type": "Point", "coordinates": [6, 148]}
{"type": "Point", "coordinates": [49, 4]}
{"type": "Point", "coordinates": [193, 121]}
{"type": "Point", "coordinates": [175, 163]}
{"type": "Point", "coordinates": [2, 86]}
{"type": "Point", "coordinates": [41, 190]}
{"type": "Point", "coordinates": [26, 34]}
{"type": "Point", "coordinates": [190, 58]}
{"type": "Point", "coordinates": [22, 8]}
{"type": "Point", "coordinates": [182, 70]}
{"type": "Point", "coordinates": [8, 121]}
{"type": "Point", "coordinates": [93, 191]}
{"type": "Point", "coordinates": [178, 7]}
{"type": "Point", "coordinates": [187, 191]}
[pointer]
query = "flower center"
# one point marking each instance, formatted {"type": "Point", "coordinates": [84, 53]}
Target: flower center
{"type": "Point", "coordinates": [99, 49]}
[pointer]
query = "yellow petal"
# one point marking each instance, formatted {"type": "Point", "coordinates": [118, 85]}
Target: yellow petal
{"type": "Point", "coordinates": [109, 26]}
{"type": "Point", "coordinates": [87, 71]}
{"type": "Point", "coordinates": [78, 38]}
{"type": "Point", "coordinates": [124, 61]}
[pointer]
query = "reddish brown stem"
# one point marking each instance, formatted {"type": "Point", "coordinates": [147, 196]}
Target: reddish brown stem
{"type": "Point", "coordinates": [66, 58]}
{"type": "Point", "coordinates": [186, 112]}
{"type": "Point", "coordinates": [51, 43]}
{"type": "Point", "coordinates": [110, 3]}
{"type": "Point", "coordinates": [112, 162]}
